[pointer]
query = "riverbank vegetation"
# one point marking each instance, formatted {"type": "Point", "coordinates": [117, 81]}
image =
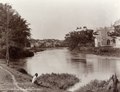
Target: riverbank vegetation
{"type": "Point", "coordinates": [37, 49]}
{"type": "Point", "coordinates": [103, 51]}
{"type": "Point", "coordinates": [83, 41]}
{"type": "Point", "coordinates": [80, 38]}
{"type": "Point", "coordinates": [16, 53]}
{"type": "Point", "coordinates": [14, 33]}
{"type": "Point", "coordinates": [25, 81]}
{"type": "Point", "coordinates": [94, 86]}
{"type": "Point", "coordinates": [47, 43]}
{"type": "Point", "coordinates": [53, 81]}
{"type": "Point", "coordinates": [58, 81]}
{"type": "Point", "coordinates": [98, 86]}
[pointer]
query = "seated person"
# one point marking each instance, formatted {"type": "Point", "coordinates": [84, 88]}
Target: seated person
{"type": "Point", "coordinates": [34, 79]}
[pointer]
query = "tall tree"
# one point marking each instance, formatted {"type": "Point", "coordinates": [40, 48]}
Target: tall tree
{"type": "Point", "coordinates": [19, 31]}
{"type": "Point", "coordinates": [14, 30]}
{"type": "Point", "coordinates": [79, 38]}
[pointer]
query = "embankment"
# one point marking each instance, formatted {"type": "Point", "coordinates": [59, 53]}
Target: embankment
{"type": "Point", "coordinates": [97, 86]}
{"type": "Point", "coordinates": [48, 82]}
{"type": "Point", "coordinates": [103, 51]}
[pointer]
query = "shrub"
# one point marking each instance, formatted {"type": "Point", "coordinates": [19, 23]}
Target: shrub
{"type": "Point", "coordinates": [16, 53]}
{"type": "Point", "coordinates": [58, 81]}
{"type": "Point", "coordinates": [94, 86]}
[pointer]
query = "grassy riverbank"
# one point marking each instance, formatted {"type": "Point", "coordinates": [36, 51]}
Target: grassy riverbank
{"type": "Point", "coordinates": [97, 86]}
{"type": "Point", "coordinates": [103, 51]}
{"type": "Point", "coordinates": [94, 86]}
{"type": "Point", "coordinates": [55, 82]}
{"type": "Point", "coordinates": [48, 82]}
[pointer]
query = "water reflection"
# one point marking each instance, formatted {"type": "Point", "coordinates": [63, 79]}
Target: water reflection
{"type": "Point", "coordinates": [87, 67]}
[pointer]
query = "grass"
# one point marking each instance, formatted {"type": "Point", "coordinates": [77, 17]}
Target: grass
{"type": "Point", "coordinates": [50, 82]}
{"type": "Point", "coordinates": [104, 51]}
{"type": "Point", "coordinates": [97, 86]}
{"type": "Point", "coordinates": [94, 86]}
{"type": "Point", "coordinates": [58, 81]}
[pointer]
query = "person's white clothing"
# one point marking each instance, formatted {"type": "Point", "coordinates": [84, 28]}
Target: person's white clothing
{"type": "Point", "coordinates": [34, 79]}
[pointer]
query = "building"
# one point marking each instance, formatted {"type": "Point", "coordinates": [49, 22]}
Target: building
{"type": "Point", "coordinates": [117, 42]}
{"type": "Point", "coordinates": [104, 38]}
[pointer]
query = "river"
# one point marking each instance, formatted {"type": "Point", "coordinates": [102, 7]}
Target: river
{"type": "Point", "coordinates": [86, 67]}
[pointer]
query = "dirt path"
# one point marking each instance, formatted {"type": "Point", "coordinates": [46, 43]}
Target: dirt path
{"type": "Point", "coordinates": [8, 81]}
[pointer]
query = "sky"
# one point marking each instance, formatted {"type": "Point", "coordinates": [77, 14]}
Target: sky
{"type": "Point", "coordinates": [54, 18]}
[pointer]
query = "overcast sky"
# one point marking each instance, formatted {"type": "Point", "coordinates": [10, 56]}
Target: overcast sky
{"type": "Point", "coordinates": [55, 18]}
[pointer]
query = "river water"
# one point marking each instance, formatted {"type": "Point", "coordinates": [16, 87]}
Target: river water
{"type": "Point", "coordinates": [86, 67]}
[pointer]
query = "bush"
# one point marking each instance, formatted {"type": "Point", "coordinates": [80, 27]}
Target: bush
{"type": "Point", "coordinates": [58, 81]}
{"type": "Point", "coordinates": [94, 86]}
{"type": "Point", "coordinates": [16, 53]}
{"type": "Point", "coordinates": [27, 53]}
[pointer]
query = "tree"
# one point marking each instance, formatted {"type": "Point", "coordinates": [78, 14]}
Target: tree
{"type": "Point", "coordinates": [116, 30]}
{"type": "Point", "coordinates": [13, 28]}
{"type": "Point", "coordinates": [19, 31]}
{"type": "Point", "coordinates": [79, 38]}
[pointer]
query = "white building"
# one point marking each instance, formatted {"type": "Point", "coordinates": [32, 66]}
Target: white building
{"type": "Point", "coordinates": [117, 42]}
{"type": "Point", "coordinates": [104, 39]}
